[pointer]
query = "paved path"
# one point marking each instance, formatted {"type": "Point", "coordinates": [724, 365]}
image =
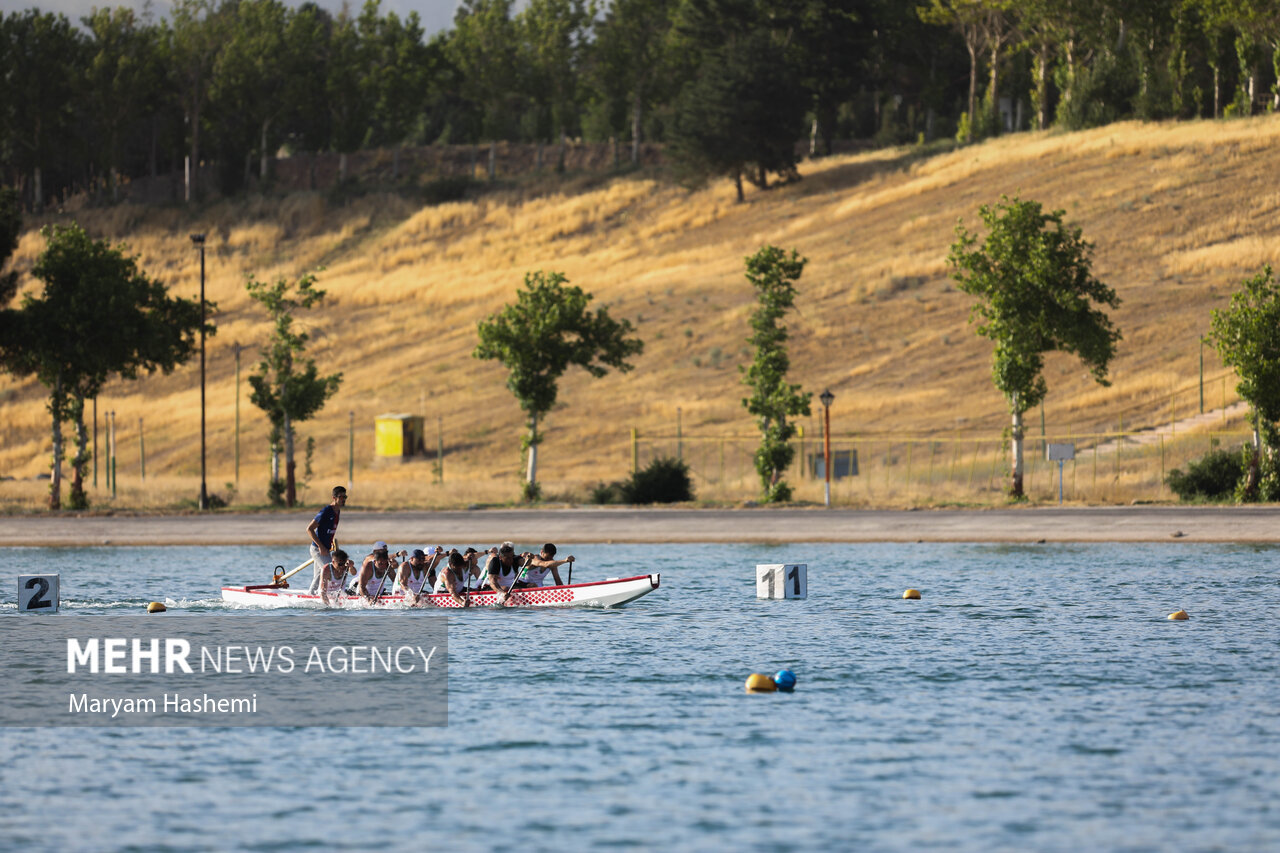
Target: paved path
{"type": "Point", "coordinates": [1071, 524]}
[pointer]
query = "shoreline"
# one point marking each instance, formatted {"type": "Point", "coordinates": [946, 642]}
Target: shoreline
{"type": "Point", "coordinates": [1236, 524]}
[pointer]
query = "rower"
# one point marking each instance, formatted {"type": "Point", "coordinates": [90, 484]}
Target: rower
{"type": "Point", "coordinates": [501, 571]}
{"type": "Point", "coordinates": [537, 566]}
{"type": "Point", "coordinates": [453, 579]}
{"type": "Point", "coordinates": [374, 574]}
{"type": "Point", "coordinates": [333, 577]}
{"type": "Point", "coordinates": [321, 531]}
{"type": "Point", "coordinates": [354, 588]}
{"type": "Point", "coordinates": [470, 569]}
{"type": "Point", "coordinates": [418, 572]}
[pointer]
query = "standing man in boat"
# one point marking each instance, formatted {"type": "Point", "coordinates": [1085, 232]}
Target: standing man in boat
{"type": "Point", "coordinates": [419, 573]}
{"type": "Point", "coordinates": [537, 566]}
{"type": "Point", "coordinates": [321, 531]}
{"type": "Point", "coordinates": [333, 578]}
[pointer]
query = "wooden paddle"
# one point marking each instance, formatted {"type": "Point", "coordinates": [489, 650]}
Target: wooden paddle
{"type": "Point", "coordinates": [519, 575]}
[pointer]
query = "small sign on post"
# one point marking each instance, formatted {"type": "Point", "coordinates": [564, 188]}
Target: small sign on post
{"type": "Point", "coordinates": [38, 593]}
{"type": "Point", "coordinates": [1060, 453]}
{"type": "Point", "coordinates": [782, 580]}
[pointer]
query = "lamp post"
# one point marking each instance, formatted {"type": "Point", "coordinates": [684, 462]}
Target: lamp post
{"type": "Point", "coordinates": [197, 240]}
{"type": "Point", "coordinates": [827, 399]}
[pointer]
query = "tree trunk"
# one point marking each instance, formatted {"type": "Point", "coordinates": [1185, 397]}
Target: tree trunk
{"type": "Point", "coordinates": [195, 141]}
{"type": "Point", "coordinates": [994, 95]}
{"type": "Point", "coordinates": [262, 162]}
{"type": "Point", "coordinates": [55, 478]}
{"type": "Point", "coordinates": [38, 201]}
{"type": "Point", "coordinates": [973, 84]}
{"type": "Point", "coordinates": [1042, 88]}
{"type": "Point", "coordinates": [635, 129]}
{"type": "Point", "coordinates": [79, 500]}
{"type": "Point", "coordinates": [290, 489]}
{"type": "Point", "coordinates": [1015, 486]}
{"type": "Point", "coordinates": [531, 474]}
{"type": "Point", "coordinates": [1217, 92]}
{"type": "Point", "coordinates": [737, 179]}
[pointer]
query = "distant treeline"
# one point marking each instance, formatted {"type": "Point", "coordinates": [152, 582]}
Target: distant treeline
{"type": "Point", "coordinates": [733, 87]}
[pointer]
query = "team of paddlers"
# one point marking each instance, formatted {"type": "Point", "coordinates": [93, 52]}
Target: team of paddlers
{"type": "Point", "coordinates": [422, 571]}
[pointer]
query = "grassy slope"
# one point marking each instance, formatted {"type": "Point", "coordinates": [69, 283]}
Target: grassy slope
{"type": "Point", "coordinates": [1179, 214]}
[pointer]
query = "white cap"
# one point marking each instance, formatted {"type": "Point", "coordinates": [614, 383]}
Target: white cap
{"type": "Point", "coordinates": [379, 545]}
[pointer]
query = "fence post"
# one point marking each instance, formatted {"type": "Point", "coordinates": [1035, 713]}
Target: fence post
{"type": "Point", "coordinates": [1161, 465]}
{"type": "Point", "coordinates": [142, 452]}
{"type": "Point", "coordinates": [635, 450]}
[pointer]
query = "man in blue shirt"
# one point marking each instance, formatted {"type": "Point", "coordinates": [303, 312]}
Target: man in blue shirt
{"type": "Point", "coordinates": [321, 530]}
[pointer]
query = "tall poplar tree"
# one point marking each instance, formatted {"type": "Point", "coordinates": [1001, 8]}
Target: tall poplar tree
{"type": "Point", "coordinates": [773, 400]}
{"type": "Point", "coordinates": [287, 386]}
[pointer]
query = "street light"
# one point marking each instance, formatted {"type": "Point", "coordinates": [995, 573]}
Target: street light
{"type": "Point", "coordinates": [827, 399]}
{"type": "Point", "coordinates": [197, 240]}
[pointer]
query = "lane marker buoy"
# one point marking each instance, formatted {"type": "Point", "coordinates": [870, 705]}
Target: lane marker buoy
{"type": "Point", "coordinates": [913, 594]}
{"type": "Point", "coordinates": [786, 680]}
{"type": "Point", "coordinates": [156, 607]}
{"type": "Point", "coordinates": [760, 683]}
{"type": "Point", "coordinates": [1178, 615]}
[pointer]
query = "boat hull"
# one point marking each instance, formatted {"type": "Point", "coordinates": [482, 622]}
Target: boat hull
{"type": "Point", "coordinates": [608, 593]}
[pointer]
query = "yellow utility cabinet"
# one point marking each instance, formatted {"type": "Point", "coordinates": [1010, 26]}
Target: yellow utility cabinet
{"type": "Point", "coordinates": [397, 436]}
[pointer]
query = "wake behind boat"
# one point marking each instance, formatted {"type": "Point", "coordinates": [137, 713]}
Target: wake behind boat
{"type": "Point", "coordinates": [613, 592]}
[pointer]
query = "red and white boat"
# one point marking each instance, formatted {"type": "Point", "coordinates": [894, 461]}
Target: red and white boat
{"type": "Point", "coordinates": [613, 592]}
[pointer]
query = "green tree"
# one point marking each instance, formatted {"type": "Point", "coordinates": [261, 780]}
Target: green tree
{"type": "Point", "coordinates": [741, 117]}
{"type": "Point", "coordinates": [773, 399]}
{"type": "Point", "coordinates": [196, 39]}
{"type": "Point", "coordinates": [286, 385]}
{"type": "Point", "coordinates": [98, 315]}
{"type": "Point", "coordinates": [400, 75]}
{"type": "Point", "coordinates": [1036, 292]}
{"type": "Point", "coordinates": [631, 64]}
{"type": "Point", "coordinates": [44, 57]}
{"type": "Point", "coordinates": [483, 47]}
{"type": "Point", "coordinates": [546, 331]}
{"type": "Point", "coordinates": [553, 35]}
{"type": "Point", "coordinates": [124, 80]}
{"type": "Point", "coordinates": [1247, 337]}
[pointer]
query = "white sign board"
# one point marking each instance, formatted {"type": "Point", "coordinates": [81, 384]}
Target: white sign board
{"type": "Point", "coordinates": [1061, 452]}
{"type": "Point", "coordinates": [38, 593]}
{"type": "Point", "coordinates": [782, 580]}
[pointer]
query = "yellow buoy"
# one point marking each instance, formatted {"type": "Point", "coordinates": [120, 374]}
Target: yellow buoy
{"type": "Point", "coordinates": [912, 594]}
{"type": "Point", "coordinates": [1178, 615]}
{"type": "Point", "coordinates": [760, 683]}
{"type": "Point", "coordinates": [156, 607]}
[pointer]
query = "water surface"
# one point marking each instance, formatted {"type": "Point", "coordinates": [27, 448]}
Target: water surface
{"type": "Point", "coordinates": [1036, 698]}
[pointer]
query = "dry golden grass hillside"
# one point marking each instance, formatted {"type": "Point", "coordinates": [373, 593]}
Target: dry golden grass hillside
{"type": "Point", "coordinates": [1179, 214]}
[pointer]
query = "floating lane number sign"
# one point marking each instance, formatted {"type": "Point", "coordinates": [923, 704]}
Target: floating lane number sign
{"type": "Point", "coordinates": [38, 593]}
{"type": "Point", "coordinates": [782, 580]}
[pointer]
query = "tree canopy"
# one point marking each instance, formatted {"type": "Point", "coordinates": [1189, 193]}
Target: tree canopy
{"type": "Point", "coordinates": [548, 330]}
{"type": "Point", "coordinates": [1036, 293]}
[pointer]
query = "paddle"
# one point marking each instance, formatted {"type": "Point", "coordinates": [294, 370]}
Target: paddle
{"type": "Point", "coordinates": [288, 575]}
{"type": "Point", "coordinates": [570, 583]}
{"type": "Point", "coordinates": [519, 575]}
{"type": "Point", "coordinates": [383, 587]}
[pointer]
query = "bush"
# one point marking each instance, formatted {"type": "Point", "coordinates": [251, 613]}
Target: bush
{"type": "Point", "coordinates": [609, 493]}
{"type": "Point", "coordinates": [1212, 477]}
{"type": "Point", "coordinates": [662, 481]}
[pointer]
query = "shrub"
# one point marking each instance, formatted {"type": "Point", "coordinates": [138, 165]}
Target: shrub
{"type": "Point", "coordinates": [608, 493]}
{"type": "Point", "coordinates": [662, 481]}
{"type": "Point", "coordinates": [1212, 477]}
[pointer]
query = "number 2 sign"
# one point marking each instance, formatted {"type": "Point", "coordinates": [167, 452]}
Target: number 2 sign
{"type": "Point", "coordinates": [38, 593]}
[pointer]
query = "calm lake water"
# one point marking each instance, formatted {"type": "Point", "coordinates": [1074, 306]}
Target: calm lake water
{"type": "Point", "coordinates": [1036, 698]}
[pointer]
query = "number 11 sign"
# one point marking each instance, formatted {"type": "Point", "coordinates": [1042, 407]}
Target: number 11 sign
{"type": "Point", "coordinates": [782, 580]}
{"type": "Point", "coordinates": [38, 593]}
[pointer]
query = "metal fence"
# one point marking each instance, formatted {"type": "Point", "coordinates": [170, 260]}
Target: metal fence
{"type": "Point", "coordinates": [934, 470]}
